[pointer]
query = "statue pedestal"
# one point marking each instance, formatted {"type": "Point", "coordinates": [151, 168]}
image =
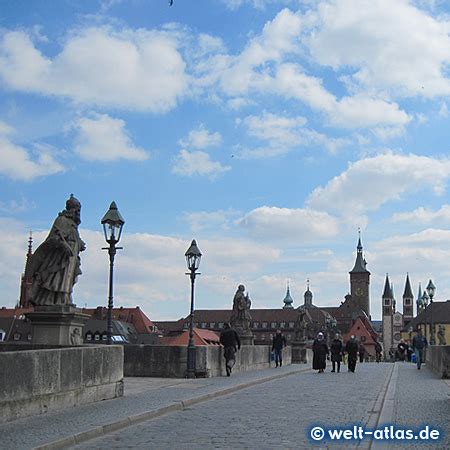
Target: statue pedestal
{"type": "Point", "coordinates": [299, 352]}
{"type": "Point", "coordinates": [246, 339]}
{"type": "Point", "coordinates": [57, 325]}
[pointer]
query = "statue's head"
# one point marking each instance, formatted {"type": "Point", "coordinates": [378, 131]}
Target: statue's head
{"type": "Point", "coordinates": [241, 287]}
{"type": "Point", "coordinates": [73, 207]}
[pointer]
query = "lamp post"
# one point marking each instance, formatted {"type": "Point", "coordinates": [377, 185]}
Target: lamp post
{"type": "Point", "coordinates": [193, 256]}
{"type": "Point", "coordinates": [112, 227]}
{"type": "Point", "coordinates": [425, 305]}
{"type": "Point", "coordinates": [431, 289]}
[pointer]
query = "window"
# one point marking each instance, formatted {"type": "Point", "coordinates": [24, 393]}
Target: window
{"type": "Point", "coordinates": [363, 339]}
{"type": "Point", "coordinates": [17, 336]}
{"type": "Point", "coordinates": [203, 325]}
{"type": "Point", "coordinates": [255, 324]}
{"type": "Point", "coordinates": [291, 324]}
{"type": "Point", "coordinates": [1, 336]}
{"type": "Point", "coordinates": [212, 325]}
{"type": "Point", "coordinates": [96, 337]}
{"type": "Point", "coordinates": [264, 324]}
{"type": "Point", "coordinates": [387, 301]}
{"type": "Point", "coordinates": [282, 324]}
{"type": "Point", "coordinates": [104, 337]}
{"type": "Point", "coordinates": [88, 336]}
{"type": "Point", "coordinates": [407, 301]}
{"type": "Point", "coordinates": [288, 337]}
{"type": "Point", "coordinates": [220, 324]}
{"type": "Point", "coordinates": [29, 336]}
{"type": "Point", "coordinates": [273, 325]}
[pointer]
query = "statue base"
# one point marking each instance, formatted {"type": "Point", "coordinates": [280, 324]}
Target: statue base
{"type": "Point", "coordinates": [247, 339]}
{"type": "Point", "coordinates": [299, 352]}
{"type": "Point", "coordinates": [57, 325]}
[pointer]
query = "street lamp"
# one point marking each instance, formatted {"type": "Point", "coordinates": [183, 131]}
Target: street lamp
{"type": "Point", "coordinates": [112, 227]}
{"type": "Point", "coordinates": [193, 256]}
{"type": "Point", "coordinates": [431, 289]}
{"type": "Point", "coordinates": [425, 305]}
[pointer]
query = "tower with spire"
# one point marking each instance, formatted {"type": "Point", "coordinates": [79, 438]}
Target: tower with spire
{"type": "Point", "coordinates": [360, 280]}
{"type": "Point", "coordinates": [308, 296]}
{"type": "Point", "coordinates": [408, 302]}
{"type": "Point", "coordinates": [388, 314]}
{"type": "Point", "coordinates": [288, 299]}
{"type": "Point", "coordinates": [26, 280]}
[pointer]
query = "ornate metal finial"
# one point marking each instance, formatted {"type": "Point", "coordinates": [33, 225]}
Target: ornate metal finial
{"type": "Point", "coordinates": [30, 243]}
{"type": "Point", "coordinates": [307, 284]}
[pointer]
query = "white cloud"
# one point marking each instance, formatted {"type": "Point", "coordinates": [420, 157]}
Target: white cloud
{"type": "Point", "coordinates": [257, 4]}
{"type": "Point", "coordinates": [215, 220]}
{"type": "Point", "coordinates": [371, 182]}
{"type": "Point", "coordinates": [283, 224]}
{"type": "Point", "coordinates": [100, 66]}
{"type": "Point", "coordinates": [18, 163]}
{"type": "Point", "coordinates": [358, 111]}
{"type": "Point", "coordinates": [201, 138]}
{"type": "Point", "coordinates": [197, 163]}
{"type": "Point", "coordinates": [393, 46]}
{"type": "Point", "coordinates": [103, 138]}
{"type": "Point", "coordinates": [283, 134]}
{"type": "Point", "coordinates": [423, 215]}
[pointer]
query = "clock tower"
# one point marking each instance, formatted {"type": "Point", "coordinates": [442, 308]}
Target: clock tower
{"type": "Point", "coordinates": [360, 281]}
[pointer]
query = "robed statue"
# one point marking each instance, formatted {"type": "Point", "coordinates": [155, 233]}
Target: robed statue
{"type": "Point", "coordinates": [56, 262]}
{"type": "Point", "coordinates": [240, 317]}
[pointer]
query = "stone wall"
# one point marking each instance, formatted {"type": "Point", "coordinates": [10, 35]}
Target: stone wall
{"type": "Point", "coordinates": [438, 360]}
{"type": "Point", "coordinates": [171, 361]}
{"type": "Point", "coordinates": [35, 381]}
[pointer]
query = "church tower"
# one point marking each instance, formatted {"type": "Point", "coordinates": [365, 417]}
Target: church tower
{"type": "Point", "coordinates": [26, 281]}
{"type": "Point", "coordinates": [408, 302]}
{"type": "Point", "coordinates": [288, 299]}
{"type": "Point", "coordinates": [388, 313]}
{"type": "Point", "coordinates": [360, 281]}
{"type": "Point", "coordinates": [308, 296]}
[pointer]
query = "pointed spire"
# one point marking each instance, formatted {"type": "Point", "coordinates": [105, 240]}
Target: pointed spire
{"type": "Point", "coordinates": [419, 292]}
{"type": "Point", "coordinates": [408, 291]}
{"type": "Point", "coordinates": [288, 300]}
{"type": "Point", "coordinates": [387, 293]}
{"type": "Point", "coordinates": [360, 263]}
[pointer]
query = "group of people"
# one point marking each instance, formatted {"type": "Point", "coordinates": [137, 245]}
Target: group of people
{"type": "Point", "coordinates": [336, 353]}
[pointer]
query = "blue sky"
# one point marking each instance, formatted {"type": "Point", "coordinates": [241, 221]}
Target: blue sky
{"type": "Point", "coordinates": [270, 131]}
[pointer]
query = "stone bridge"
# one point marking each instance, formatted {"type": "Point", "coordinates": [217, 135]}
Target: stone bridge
{"type": "Point", "coordinates": [275, 408]}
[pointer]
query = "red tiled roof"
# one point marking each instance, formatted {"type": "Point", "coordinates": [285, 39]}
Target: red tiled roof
{"type": "Point", "coordinates": [14, 312]}
{"type": "Point", "coordinates": [135, 316]}
{"type": "Point", "coordinates": [201, 337]}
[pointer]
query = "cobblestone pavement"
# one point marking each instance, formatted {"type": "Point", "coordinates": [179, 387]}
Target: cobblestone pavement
{"type": "Point", "coordinates": [422, 399]}
{"type": "Point", "coordinates": [141, 395]}
{"type": "Point", "coordinates": [274, 415]}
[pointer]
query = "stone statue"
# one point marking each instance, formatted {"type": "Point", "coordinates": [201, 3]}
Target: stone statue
{"type": "Point", "coordinates": [240, 317]}
{"type": "Point", "coordinates": [300, 326]}
{"type": "Point", "coordinates": [441, 335]}
{"type": "Point", "coordinates": [56, 262]}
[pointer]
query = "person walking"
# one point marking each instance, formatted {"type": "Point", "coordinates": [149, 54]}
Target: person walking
{"type": "Point", "coordinates": [401, 350]}
{"type": "Point", "coordinates": [378, 351]}
{"type": "Point", "coordinates": [320, 352]}
{"type": "Point", "coordinates": [362, 352]}
{"type": "Point", "coordinates": [419, 344]}
{"type": "Point", "coordinates": [336, 349]}
{"type": "Point", "coordinates": [278, 342]}
{"type": "Point", "coordinates": [351, 347]}
{"type": "Point", "coordinates": [231, 343]}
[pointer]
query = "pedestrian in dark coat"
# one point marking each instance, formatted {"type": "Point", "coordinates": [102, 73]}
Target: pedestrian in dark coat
{"type": "Point", "coordinates": [352, 351]}
{"type": "Point", "coordinates": [231, 343]}
{"type": "Point", "coordinates": [278, 342]}
{"type": "Point", "coordinates": [336, 349]}
{"type": "Point", "coordinates": [320, 352]}
{"type": "Point", "coordinates": [362, 352]}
